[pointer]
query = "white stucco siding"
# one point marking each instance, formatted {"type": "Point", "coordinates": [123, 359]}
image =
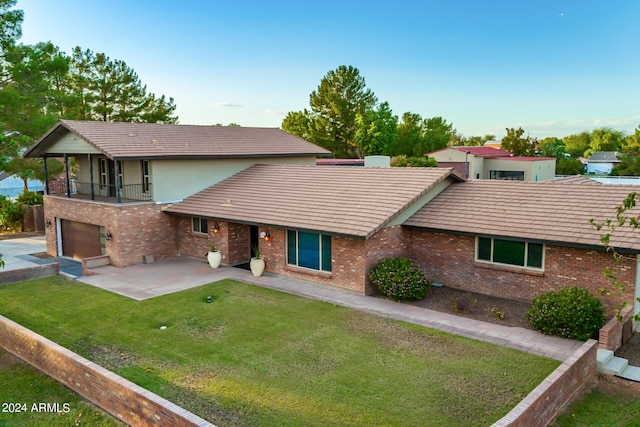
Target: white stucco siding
{"type": "Point", "coordinates": [177, 179]}
{"type": "Point", "coordinates": [71, 143]}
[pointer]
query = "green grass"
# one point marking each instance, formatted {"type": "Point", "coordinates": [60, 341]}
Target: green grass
{"type": "Point", "coordinates": [24, 386]}
{"type": "Point", "coordinates": [255, 356]}
{"type": "Point", "coordinates": [600, 409]}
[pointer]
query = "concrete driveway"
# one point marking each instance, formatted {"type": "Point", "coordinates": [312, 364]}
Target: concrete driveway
{"type": "Point", "coordinates": [14, 250]}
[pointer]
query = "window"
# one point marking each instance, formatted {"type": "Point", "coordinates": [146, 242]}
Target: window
{"type": "Point", "coordinates": [144, 165]}
{"type": "Point", "coordinates": [309, 250]}
{"type": "Point", "coordinates": [120, 168]}
{"type": "Point", "coordinates": [507, 175]}
{"type": "Point", "coordinates": [199, 225]}
{"type": "Point", "coordinates": [510, 252]}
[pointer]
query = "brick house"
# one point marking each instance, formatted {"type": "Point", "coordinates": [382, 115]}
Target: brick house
{"type": "Point", "coordinates": [111, 204]}
{"type": "Point", "coordinates": [171, 190]}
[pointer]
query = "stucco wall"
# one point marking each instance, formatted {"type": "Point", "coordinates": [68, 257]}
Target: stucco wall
{"type": "Point", "coordinates": [177, 179]}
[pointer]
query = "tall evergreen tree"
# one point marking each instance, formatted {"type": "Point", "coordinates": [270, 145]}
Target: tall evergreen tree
{"type": "Point", "coordinates": [377, 131]}
{"type": "Point", "coordinates": [340, 97]}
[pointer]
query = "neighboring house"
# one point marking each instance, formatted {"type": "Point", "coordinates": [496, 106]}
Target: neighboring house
{"type": "Point", "coordinates": [127, 172]}
{"type": "Point", "coordinates": [492, 163]}
{"type": "Point", "coordinates": [166, 190]}
{"type": "Point", "coordinates": [12, 186]}
{"type": "Point", "coordinates": [601, 162]}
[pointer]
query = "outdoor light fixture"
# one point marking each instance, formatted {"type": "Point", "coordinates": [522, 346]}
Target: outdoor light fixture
{"type": "Point", "coordinates": [216, 228]}
{"type": "Point", "coordinates": [265, 235]}
{"type": "Point", "coordinates": [47, 222]}
{"type": "Point", "coordinates": [107, 235]}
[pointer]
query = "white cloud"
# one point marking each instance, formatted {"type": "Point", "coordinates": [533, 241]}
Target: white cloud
{"type": "Point", "coordinates": [271, 112]}
{"type": "Point", "coordinates": [226, 105]}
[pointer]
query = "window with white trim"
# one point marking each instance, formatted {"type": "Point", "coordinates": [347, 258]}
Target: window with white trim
{"type": "Point", "coordinates": [103, 173]}
{"type": "Point", "coordinates": [309, 250]}
{"type": "Point", "coordinates": [199, 225]}
{"type": "Point", "coordinates": [510, 252]}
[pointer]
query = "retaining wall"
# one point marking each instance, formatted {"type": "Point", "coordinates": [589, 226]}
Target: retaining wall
{"type": "Point", "coordinates": [30, 273]}
{"type": "Point", "coordinates": [616, 332]}
{"type": "Point", "coordinates": [123, 399]}
{"type": "Point", "coordinates": [548, 399]}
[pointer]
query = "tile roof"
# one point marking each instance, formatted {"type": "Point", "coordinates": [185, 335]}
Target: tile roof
{"type": "Point", "coordinates": [351, 201]}
{"type": "Point", "coordinates": [574, 179]}
{"type": "Point", "coordinates": [604, 157]}
{"type": "Point", "coordinates": [153, 140]}
{"type": "Point", "coordinates": [483, 151]}
{"type": "Point", "coordinates": [548, 212]}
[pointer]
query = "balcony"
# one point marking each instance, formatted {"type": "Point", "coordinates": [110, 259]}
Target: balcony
{"type": "Point", "coordinates": [127, 193]}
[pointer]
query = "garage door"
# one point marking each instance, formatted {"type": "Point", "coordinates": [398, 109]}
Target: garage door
{"type": "Point", "coordinates": [80, 240]}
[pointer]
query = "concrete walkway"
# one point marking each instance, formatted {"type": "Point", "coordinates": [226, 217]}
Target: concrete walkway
{"type": "Point", "coordinates": [178, 273]}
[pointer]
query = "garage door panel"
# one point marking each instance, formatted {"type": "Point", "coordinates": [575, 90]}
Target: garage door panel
{"type": "Point", "coordinates": [80, 240]}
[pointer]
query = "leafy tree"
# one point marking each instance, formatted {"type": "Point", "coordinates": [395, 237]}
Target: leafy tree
{"type": "Point", "coordinates": [410, 141]}
{"type": "Point", "coordinates": [298, 123]}
{"type": "Point", "coordinates": [605, 139]}
{"type": "Point", "coordinates": [377, 131]}
{"type": "Point", "coordinates": [414, 162]}
{"type": "Point", "coordinates": [472, 141]}
{"type": "Point", "coordinates": [436, 133]}
{"type": "Point", "coordinates": [340, 97]}
{"type": "Point", "coordinates": [517, 144]}
{"type": "Point", "coordinates": [552, 147]}
{"type": "Point", "coordinates": [567, 165]}
{"type": "Point", "coordinates": [631, 143]}
{"type": "Point", "coordinates": [577, 145]}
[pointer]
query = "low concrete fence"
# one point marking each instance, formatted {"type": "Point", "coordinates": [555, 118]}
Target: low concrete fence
{"type": "Point", "coordinates": [123, 399]}
{"type": "Point", "coordinates": [30, 273]}
{"type": "Point", "coordinates": [616, 332]}
{"type": "Point", "coordinates": [547, 400]}
{"type": "Point", "coordinates": [94, 262]}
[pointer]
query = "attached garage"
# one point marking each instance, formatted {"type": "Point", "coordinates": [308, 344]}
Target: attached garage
{"type": "Point", "coordinates": [81, 240]}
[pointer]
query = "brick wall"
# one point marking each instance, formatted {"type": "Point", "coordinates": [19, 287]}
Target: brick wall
{"type": "Point", "coordinates": [232, 240]}
{"type": "Point", "coordinates": [137, 229]}
{"type": "Point", "coordinates": [123, 399]}
{"type": "Point", "coordinates": [33, 218]}
{"type": "Point", "coordinates": [450, 259]}
{"type": "Point", "coordinates": [30, 273]}
{"type": "Point", "coordinates": [548, 399]}
{"type": "Point", "coordinates": [616, 332]}
{"type": "Point", "coordinates": [389, 242]}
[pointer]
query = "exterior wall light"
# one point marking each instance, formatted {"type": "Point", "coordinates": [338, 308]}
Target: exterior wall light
{"type": "Point", "coordinates": [107, 235]}
{"type": "Point", "coordinates": [265, 235]}
{"type": "Point", "coordinates": [47, 222]}
{"type": "Point", "coordinates": [216, 228]}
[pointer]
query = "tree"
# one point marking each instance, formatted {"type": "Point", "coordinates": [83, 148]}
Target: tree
{"type": "Point", "coordinates": [552, 147]}
{"type": "Point", "coordinates": [516, 143]}
{"type": "Point", "coordinates": [410, 140]}
{"type": "Point", "coordinates": [631, 144]}
{"type": "Point", "coordinates": [567, 165]}
{"type": "Point", "coordinates": [298, 123]}
{"type": "Point", "coordinates": [436, 133]}
{"type": "Point", "coordinates": [377, 131]}
{"type": "Point", "coordinates": [605, 139]}
{"type": "Point", "coordinates": [578, 144]}
{"type": "Point", "coordinates": [340, 97]}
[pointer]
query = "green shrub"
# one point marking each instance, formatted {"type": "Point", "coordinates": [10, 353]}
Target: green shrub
{"type": "Point", "coordinates": [30, 198]}
{"type": "Point", "coordinates": [570, 313]}
{"type": "Point", "coordinates": [399, 279]}
{"type": "Point", "coordinates": [10, 215]}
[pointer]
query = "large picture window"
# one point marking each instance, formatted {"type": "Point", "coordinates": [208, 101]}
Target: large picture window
{"type": "Point", "coordinates": [510, 252]}
{"type": "Point", "coordinates": [199, 225]}
{"type": "Point", "coordinates": [309, 250]}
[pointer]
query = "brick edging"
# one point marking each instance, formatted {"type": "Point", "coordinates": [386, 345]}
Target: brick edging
{"type": "Point", "coordinates": [123, 399]}
{"type": "Point", "coordinates": [546, 401]}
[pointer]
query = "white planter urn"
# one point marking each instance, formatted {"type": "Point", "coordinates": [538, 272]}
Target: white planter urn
{"type": "Point", "coordinates": [214, 259]}
{"type": "Point", "coordinates": [257, 266]}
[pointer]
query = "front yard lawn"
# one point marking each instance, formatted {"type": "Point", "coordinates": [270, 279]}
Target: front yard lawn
{"type": "Point", "coordinates": [255, 356]}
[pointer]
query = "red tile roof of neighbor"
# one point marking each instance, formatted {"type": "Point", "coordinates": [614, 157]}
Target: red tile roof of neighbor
{"type": "Point", "coordinates": [351, 201]}
{"type": "Point", "coordinates": [548, 212]}
{"type": "Point", "coordinates": [153, 140]}
{"type": "Point", "coordinates": [477, 151]}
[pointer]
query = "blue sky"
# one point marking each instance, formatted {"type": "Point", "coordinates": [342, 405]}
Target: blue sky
{"type": "Point", "coordinates": [553, 67]}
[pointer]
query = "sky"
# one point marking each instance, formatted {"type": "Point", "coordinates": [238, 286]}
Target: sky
{"type": "Point", "coordinates": [552, 67]}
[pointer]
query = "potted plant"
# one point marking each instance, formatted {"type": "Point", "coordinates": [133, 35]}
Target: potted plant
{"type": "Point", "coordinates": [257, 262]}
{"type": "Point", "coordinates": [214, 256]}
